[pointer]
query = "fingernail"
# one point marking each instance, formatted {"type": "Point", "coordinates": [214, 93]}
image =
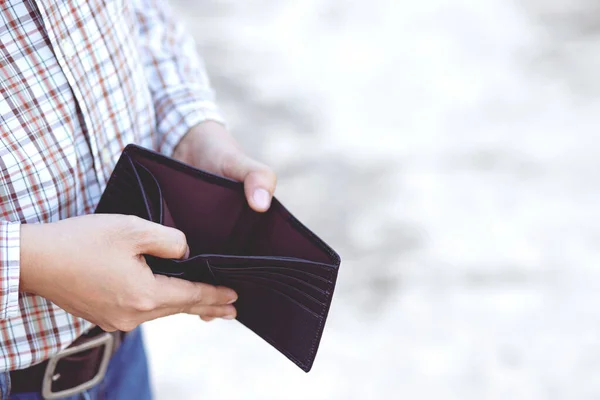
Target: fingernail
{"type": "Point", "coordinates": [187, 253]}
{"type": "Point", "coordinates": [262, 198]}
{"type": "Point", "coordinates": [231, 316]}
{"type": "Point", "coordinates": [232, 300]}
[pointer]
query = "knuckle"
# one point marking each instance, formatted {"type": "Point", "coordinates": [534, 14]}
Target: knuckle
{"type": "Point", "coordinates": [207, 294]}
{"type": "Point", "coordinates": [126, 325]}
{"type": "Point", "coordinates": [129, 228]}
{"type": "Point", "coordinates": [199, 295]}
{"type": "Point", "coordinates": [230, 162]}
{"type": "Point", "coordinates": [129, 223]}
{"type": "Point", "coordinates": [134, 301]}
{"type": "Point", "coordinates": [224, 311]}
{"type": "Point", "coordinates": [208, 314]}
{"type": "Point", "coordinates": [271, 176]}
{"type": "Point", "coordinates": [266, 172]}
{"type": "Point", "coordinates": [180, 243]}
{"type": "Point", "coordinates": [138, 301]}
{"type": "Point", "coordinates": [143, 304]}
{"type": "Point", "coordinates": [107, 328]}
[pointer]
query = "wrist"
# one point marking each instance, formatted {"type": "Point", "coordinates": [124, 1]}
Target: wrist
{"type": "Point", "coordinates": [35, 242]}
{"type": "Point", "coordinates": [197, 137]}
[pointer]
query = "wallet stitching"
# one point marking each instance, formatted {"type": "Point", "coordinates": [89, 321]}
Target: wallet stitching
{"type": "Point", "coordinates": [160, 195]}
{"type": "Point", "coordinates": [321, 322]}
{"type": "Point", "coordinates": [211, 272]}
{"type": "Point", "coordinates": [141, 188]}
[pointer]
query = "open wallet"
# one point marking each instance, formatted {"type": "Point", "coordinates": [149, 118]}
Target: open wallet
{"type": "Point", "coordinates": [283, 273]}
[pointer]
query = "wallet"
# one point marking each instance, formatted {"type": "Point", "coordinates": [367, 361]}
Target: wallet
{"type": "Point", "coordinates": [283, 273]}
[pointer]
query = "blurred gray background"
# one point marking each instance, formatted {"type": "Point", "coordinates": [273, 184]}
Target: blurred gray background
{"type": "Point", "coordinates": [449, 150]}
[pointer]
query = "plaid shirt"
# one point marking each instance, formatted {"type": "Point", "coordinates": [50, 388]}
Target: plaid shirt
{"type": "Point", "coordinates": [79, 80]}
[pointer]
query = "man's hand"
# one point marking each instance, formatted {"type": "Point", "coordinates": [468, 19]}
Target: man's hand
{"type": "Point", "coordinates": [92, 266]}
{"type": "Point", "coordinates": [210, 147]}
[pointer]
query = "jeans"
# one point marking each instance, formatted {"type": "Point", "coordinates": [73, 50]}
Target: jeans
{"type": "Point", "coordinates": [126, 376]}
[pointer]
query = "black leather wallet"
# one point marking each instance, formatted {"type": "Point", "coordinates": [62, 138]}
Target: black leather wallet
{"type": "Point", "coordinates": [283, 273]}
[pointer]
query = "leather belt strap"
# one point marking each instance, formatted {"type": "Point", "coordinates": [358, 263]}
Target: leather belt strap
{"type": "Point", "coordinates": [70, 368]}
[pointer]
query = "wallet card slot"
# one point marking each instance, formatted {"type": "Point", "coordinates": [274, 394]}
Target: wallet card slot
{"type": "Point", "coordinates": [294, 271]}
{"type": "Point", "coordinates": [166, 267]}
{"type": "Point", "coordinates": [269, 287]}
{"type": "Point", "coordinates": [304, 287]}
{"type": "Point", "coordinates": [196, 271]}
{"type": "Point", "coordinates": [324, 272]}
{"type": "Point", "coordinates": [311, 279]}
{"type": "Point", "coordinates": [283, 287]}
{"type": "Point", "coordinates": [290, 327]}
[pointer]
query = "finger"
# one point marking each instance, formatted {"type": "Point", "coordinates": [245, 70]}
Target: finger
{"type": "Point", "coordinates": [259, 187]}
{"type": "Point", "coordinates": [259, 180]}
{"type": "Point", "coordinates": [183, 295]}
{"type": "Point", "coordinates": [160, 241]}
{"type": "Point", "coordinates": [208, 313]}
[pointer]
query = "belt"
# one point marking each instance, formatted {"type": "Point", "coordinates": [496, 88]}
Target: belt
{"type": "Point", "coordinates": [79, 367]}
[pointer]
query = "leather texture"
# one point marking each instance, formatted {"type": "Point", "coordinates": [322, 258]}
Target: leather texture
{"type": "Point", "coordinates": [283, 273]}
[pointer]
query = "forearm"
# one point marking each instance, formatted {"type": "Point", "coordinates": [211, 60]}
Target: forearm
{"type": "Point", "coordinates": [181, 90]}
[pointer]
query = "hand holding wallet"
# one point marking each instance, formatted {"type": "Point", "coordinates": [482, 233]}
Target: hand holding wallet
{"type": "Point", "coordinates": [283, 273]}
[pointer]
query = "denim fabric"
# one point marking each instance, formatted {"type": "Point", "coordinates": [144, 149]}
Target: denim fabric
{"type": "Point", "coordinates": [126, 377]}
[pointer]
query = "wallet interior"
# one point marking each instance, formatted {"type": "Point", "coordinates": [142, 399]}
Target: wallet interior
{"type": "Point", "coordinates": [283, 273]}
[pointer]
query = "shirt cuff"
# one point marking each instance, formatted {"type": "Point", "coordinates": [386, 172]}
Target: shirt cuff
{"type": "Point", "coordinates": [10, 262]}
{"type": "Point", "coordinates": [178, 121]}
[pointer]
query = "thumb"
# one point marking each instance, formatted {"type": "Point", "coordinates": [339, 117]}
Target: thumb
{"type": "Point", "coordinates": [161, 241]}
{"type": "Point", "coordinates": [259, 180]}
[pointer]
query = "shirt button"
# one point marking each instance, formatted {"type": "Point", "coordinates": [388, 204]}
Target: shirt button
{"type": "Point", "coordinates": [68, 48]}
{"type": "Point", "coordinates": [106, 156]}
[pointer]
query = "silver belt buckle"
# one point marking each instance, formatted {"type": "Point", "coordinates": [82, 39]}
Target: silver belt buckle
{"type": "Point", "coordinates": [105, 339]}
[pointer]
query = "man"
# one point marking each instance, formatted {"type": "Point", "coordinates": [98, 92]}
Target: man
{"type": "Point", "coordinates": [79, 80]}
